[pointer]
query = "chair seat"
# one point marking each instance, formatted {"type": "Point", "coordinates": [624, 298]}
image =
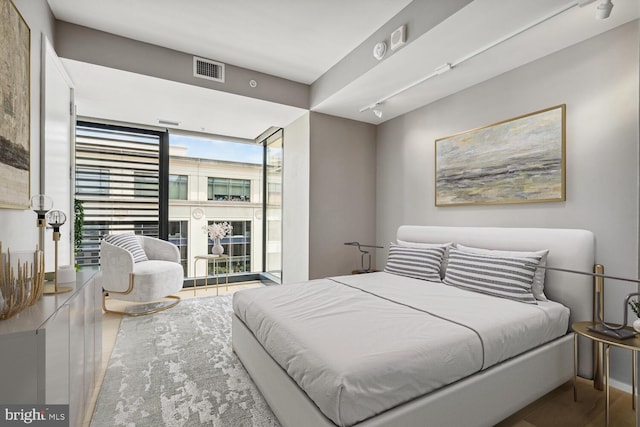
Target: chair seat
{"type": "Point", "coordinates": [153, 280]}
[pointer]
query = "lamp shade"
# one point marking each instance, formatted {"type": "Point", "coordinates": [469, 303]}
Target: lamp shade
{"type": "Point", "coordinates": [56, 219]}
{"type": "Point", "coordinates": [41, 204]}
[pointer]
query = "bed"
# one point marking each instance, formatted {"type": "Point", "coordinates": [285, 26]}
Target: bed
{"type": "Point", "coordinates": [385, 349]}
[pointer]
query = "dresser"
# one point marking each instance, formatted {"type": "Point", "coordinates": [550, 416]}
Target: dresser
{"type": "Point", "coordinates": [51, 352]}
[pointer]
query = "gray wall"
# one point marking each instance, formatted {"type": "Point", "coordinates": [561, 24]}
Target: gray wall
{"type": "Point", "coordinates": [17, 227]}
{"type": "Point", "coordinates": [342, 193]}
{"type": "Point", "coordinates": [97, 47]}
{"type": "Point", "coordinates": [598, 81]}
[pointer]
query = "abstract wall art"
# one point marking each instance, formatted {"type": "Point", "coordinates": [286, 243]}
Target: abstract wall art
{"type": "Point", "coordinates": [520, 160]}
{"type": "Point", "coordinates": [15, 42]}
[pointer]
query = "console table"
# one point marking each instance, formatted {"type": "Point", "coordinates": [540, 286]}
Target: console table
{"type": "Point", "coordinates": [52, 351]}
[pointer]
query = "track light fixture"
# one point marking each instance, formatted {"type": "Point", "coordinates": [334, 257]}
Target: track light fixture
{"type": "Point", "coordinates": [603, 10]}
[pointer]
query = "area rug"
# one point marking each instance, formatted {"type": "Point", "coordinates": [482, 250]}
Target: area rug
{"type": "Point", "coordinates": [176, 368]}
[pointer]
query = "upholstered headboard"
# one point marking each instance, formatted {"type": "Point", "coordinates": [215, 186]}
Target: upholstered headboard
{"type": "Point", "coordinates": [570, 249]}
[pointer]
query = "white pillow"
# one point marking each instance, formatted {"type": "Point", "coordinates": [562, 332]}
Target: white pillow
{"type": "Point", "coordinates": [423, 245]}
{"type": "Point", "coordinates": [499, 276]}
{"type": "Point", "coordinates": [538, 279]}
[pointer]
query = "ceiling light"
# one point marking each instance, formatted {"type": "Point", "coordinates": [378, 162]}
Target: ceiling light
{"type": "Point", "coordinates": [604, 9]}
{"type": "Point", "coordinates": [378, 113]}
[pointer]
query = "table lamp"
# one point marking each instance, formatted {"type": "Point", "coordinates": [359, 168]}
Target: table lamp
{"type": "Point", "coordinates": [41, 204]}
{"type": "Point", "coordinates": [362, 255]}
{"type": "Point", "coordinates": [56, 219]}
{"type": "Point", "coordinates": [602, 327]}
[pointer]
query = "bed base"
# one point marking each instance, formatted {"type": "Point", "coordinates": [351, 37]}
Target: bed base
{"type": "Point", "coordinates": [513, 384]}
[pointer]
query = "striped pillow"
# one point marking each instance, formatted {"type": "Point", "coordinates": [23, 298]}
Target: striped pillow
{"type": "Point", "coordinates": [129, 242]}
{"type": "Point", "coordinates": [503, 277]}
{"type": "Point", "coordinates": [419, 263]}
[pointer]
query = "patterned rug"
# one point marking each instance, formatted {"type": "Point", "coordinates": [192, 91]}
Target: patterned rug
{"type": "Point", "coordinates": [176, 368]}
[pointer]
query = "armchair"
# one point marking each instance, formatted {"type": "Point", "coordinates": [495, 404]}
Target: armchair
{"type": "Point", "coordinates": [140, 269]}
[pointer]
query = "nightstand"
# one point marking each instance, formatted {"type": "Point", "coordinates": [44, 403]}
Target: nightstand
{"type": "Point", "coordinates": [633, 344]}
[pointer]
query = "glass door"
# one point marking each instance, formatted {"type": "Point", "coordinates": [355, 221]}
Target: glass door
{"type": "Point", "coordinates": [273, 205]}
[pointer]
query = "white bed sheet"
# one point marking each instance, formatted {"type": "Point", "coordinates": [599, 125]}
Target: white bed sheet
{"type": "Point", "coordinates": [359, 345]}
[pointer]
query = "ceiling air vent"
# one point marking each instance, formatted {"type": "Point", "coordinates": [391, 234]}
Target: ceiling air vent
{"type": "Point", "coordinates": [208, 69]}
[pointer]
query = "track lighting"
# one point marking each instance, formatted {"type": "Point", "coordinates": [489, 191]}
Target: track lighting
{"type": "Point", "coordinates": [603, 11]}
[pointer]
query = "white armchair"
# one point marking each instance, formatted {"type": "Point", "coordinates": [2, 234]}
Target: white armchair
{"type": "Point", "coordinates": [140, 269]}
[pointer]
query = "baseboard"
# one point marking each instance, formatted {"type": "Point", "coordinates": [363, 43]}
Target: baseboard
{"type": "Point", "coordinates": [622, 386]}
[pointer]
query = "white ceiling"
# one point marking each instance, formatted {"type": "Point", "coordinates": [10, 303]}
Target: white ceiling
{"type": "Point", "coordinates": [295, 39]}
{"type": "Point", "coordinates": [302, 39]}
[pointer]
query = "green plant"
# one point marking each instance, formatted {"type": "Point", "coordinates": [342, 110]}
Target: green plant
{"type": "Point", "coordinates": [635, 306]}
{"type": "Point", "coordinates": [78, 225]}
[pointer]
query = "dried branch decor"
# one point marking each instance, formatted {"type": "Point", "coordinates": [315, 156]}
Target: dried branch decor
{"type": "Point", "coordinates": [22, 289]}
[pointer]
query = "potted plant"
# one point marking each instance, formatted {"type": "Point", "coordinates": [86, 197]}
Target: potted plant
{"type": "Point", "coordinates": [217, 231]}
{"type": "Point", "coordinates": [78, 225]}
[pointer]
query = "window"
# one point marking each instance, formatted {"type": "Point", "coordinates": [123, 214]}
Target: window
{"type": "Point", "coordinates": [145, 184]}
{"type": "Point", "coordinates": [225, 179]}
{"type": "Point", "coordinates": [117, 173]}
{"type": "Point", "coordinates": [273, 146]}
{"type": "Point", "coordinates": [92, 181]}
{"type": "Point", "coordinates": [178, 187]}
{"type": "Point", "coordinates": [229, 189]}
{"type": "Point", "coordinates": [179, 236]}
{"type": "Point", "coordinates": [237, 247]}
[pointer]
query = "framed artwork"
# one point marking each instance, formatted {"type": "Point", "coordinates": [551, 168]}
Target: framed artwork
{"type": "Point", "coordinates": [520, 160]}
{"type": "Point", "coordinates": [15, 82]}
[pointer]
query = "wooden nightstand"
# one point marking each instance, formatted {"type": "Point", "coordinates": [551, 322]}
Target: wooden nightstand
{"type": "Point", "coordinates": [633, 344]}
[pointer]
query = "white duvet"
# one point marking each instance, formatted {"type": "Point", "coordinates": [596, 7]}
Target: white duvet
{"type": "Point", "coordinates": [359, 345]}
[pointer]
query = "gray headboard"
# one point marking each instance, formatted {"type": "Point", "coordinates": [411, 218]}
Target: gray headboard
{"type": "Point", "coordinates": [570, 249]}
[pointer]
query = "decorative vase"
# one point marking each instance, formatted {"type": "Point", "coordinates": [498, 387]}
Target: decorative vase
{"type": "Point", "coordinates": [636, 325]}
{"type": "Point", "coordinates": [217, 248]}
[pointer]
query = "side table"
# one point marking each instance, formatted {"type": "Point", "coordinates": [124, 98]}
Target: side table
{"type": "Point", "coordinates": [216, 259]}
{"type": "Point", "coordinates": [633, 344]}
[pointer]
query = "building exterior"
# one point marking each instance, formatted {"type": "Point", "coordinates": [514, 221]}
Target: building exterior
{"type": "Point", "coordinates": [203, 191]}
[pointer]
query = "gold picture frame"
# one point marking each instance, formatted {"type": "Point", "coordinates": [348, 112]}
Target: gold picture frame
{"type": "Point", "coordinates": [15, 98]}
{"type": "Point", "coordinates": [519, 160]}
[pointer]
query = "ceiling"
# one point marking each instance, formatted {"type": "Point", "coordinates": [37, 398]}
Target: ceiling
{"type": "Point", "coordinates": [301, 40]}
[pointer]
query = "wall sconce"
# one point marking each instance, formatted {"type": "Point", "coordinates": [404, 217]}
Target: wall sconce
{"type": "Point", "coordinates": [56, 219]}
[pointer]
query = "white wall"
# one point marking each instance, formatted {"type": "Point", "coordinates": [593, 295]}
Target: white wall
{"type": "Point", "coordinates": [295, 201]}
{"type": "Point", "coordinates": [17, 227]}
{"type": "Point", "coordinates": [598, 81]}
{"type": "Point", "coordinates": [342, 193]}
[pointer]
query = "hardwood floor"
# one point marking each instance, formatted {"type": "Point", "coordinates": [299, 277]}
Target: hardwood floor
{"type": "Point", "coordinates": [556, 409]}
